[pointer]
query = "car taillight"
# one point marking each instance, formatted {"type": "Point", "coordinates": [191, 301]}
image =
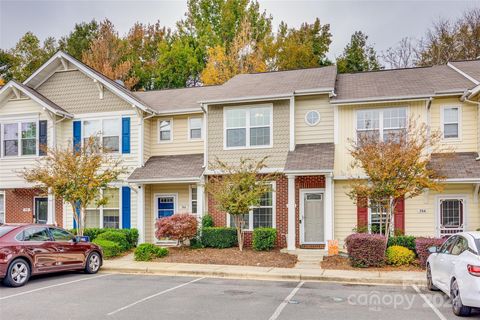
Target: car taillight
{"type": "Point", "coordinates": [474, 270]}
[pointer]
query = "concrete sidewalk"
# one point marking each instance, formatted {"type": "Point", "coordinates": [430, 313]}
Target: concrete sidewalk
{"type": "Point", "coordinates": [127, 265]}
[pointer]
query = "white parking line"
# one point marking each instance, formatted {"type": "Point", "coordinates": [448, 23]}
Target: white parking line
{"type": "Point", "coordinates": [153, 296]}
{"type": "Point", "coordinates": [284, 302]}
{"type": "Point", "coordinates": [53, 286]}
{"type": "Point", "coordinates": [429, 303]}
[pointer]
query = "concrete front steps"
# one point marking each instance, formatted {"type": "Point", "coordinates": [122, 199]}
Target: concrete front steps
{"type": "Point", "coordinates": [308, 258]}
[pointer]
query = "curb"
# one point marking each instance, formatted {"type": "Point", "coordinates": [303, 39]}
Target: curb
{"type": "Point", "coordinates": [265, 276]}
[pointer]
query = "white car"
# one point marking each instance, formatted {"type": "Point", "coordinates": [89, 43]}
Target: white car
{"type": "Point", "coordinates": [454, 268]}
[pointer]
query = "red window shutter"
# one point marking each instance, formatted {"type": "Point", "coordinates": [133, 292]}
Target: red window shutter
{"type": "Point", "coordinates": [400, 216]}
{"type": "Point", "coordinates": [362, 212]}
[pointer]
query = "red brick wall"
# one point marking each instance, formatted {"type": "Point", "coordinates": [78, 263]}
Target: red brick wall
{"type": "Point", "coordinates": [18, 199]}
{"type": "Point", "coordinates": [305, 182]}
{"type": "Point", "coordinates": [281, 212]}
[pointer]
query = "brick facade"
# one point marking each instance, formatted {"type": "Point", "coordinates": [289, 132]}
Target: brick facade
{"type": "Point", "coordinates": [19, 206]}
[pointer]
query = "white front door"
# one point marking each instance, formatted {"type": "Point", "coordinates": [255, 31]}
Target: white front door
{"type": "Point", "coordinates": [312, 216]}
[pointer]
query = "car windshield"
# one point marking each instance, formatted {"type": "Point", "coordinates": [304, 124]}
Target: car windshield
{"type": "Point", "coordinates": [5, 229]}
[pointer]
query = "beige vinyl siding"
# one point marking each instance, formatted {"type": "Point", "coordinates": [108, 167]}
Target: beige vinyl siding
{"type": "Point", "coordinates": [180, 143]}
{"type": "Point", "coordinates": [77, 93]}
{"type": "Point", "coordinates": [11, 166]}
{"type": "Point", "coordinates": [182, 191]}
{"type": "Point", "coordinates": [147, 138]}
{"type": "Point", "coordinates": [277, 154]}
{"type": "Point", "coordinates": [320, 133]}
{"type": "Point", "coordinates": [345, 212]}
{"type": "Point", "coordinates": [467, 141]}
{"type": "Point", "coordinates": [347, 130]}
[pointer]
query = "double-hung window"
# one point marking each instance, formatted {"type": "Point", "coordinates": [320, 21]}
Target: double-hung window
{"type": "Point", "coordinates": [247, 127]}
{"type": "Point", "coordinates": [195, 128]}
{"type": "Point", "coordinates": [165, 130]}
{"type": "Point", "coordinates": [451, 122]}
{"type": "Point", "coordinates": [378, 218]}
{"type": "Point", "coordinates": [193, 200]}
{"type": "Point", "coordinates": [19, 138]}
{"type": "Point", "coordinates": [261, 216]}
{"type": "Point", "coordinates": [105, 131]}
{"type": "Point", "coordinates": [106, 216]}
{"type": "Point", "coordinates": [2, 207]}
{"type": "Point", "coordinates": [383, 124]}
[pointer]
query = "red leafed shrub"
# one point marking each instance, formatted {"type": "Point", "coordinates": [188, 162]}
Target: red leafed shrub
{"type": "Point", "coordinates": [366, 250]}
{"type": "Point", "coordinates": [177, 227]}
{"type": "Point", "coordinates": [422, 245]}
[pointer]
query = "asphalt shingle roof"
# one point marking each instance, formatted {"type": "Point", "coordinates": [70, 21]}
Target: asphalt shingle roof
{"type": "Point", "coordinates": [170, 167]}
{"type": "Point", "coordinates": [457, 165]}
{"type": "Point", "coordinates": [471, 68]}
{"type": "Point", "coordinates": [315, 156]}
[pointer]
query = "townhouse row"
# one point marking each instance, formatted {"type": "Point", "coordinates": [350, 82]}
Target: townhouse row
{"type": "Point", "coordinates": [303, 120]}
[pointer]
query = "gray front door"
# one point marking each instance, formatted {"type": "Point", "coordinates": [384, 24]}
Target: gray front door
{"type": "Point", "coordinates": [41, 210]}
{"type": "Point", "coordinates": [313, 217]}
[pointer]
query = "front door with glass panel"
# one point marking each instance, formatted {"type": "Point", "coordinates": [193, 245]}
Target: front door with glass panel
{"type": "Point", "coordinates": [41, 210]}
{"type": "Point", "coordinates": [165, 206]}
{"type": "Point", "coordinates": [312, 217]}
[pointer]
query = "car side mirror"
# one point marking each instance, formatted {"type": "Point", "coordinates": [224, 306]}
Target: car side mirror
{"type": "Point", "coordinates": [433, 249]}
{"type": "Point", "coordinates": [76, 239]}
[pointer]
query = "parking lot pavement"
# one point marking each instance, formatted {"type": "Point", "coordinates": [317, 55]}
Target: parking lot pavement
{"type": "Point", "coordinates": [117, 296]}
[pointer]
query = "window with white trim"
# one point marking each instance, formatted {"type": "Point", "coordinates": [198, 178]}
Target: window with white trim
{"type": "Point", "coordinates": [248, 127]}
{"type": "Point", "coordinates": [19, 138]}
{"type": "Point", "coordinates": [193, 200]}
{"type": "Point", "coordinates": [165, 130]}
{"type": "Point", "coordinates": [451, 216]}
{"type": "Point", "coordinates": [106, 216]}
{"type": "Point", "coordinates": [377, 218]}
{"type": "Point", "coordinates": [195, 128]}
{"type": "Point", "coordinates": [262, 216]}
{"type": "Point", "coordinates": [451, 123]}
{"type": "Point", "coordinates": [2, 207]}
{"type": "Point", "coordinates": [107, 132]}
{"type": "Point", "coordinates": [381, 123]}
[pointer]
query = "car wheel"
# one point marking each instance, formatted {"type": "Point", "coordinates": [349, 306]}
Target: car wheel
{"type": "Point", "coordinates": [93, 263]}
{"type": "Point", "coordinates": [430, 284]}
{"type": "Point", "coordinates": [18, 273]}
{"type": "Point", "coordinates": [458, 308]}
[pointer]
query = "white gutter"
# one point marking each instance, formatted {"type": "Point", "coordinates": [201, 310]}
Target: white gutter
{"type": "Point", "coordinates": [165, 180]}
{"type": "Point", "coordinates": [309, 172]}
{"type": "Point", "coordinates": [398, 98]}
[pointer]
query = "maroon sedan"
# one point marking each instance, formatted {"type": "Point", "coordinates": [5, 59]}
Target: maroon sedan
{"type": "Point", "coordinates": [32, 249]}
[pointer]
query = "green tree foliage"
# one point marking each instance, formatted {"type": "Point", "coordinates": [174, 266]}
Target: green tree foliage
{"type": "Point", "coordinates": [358, 55]}
{"type": "Point", "coordinates": [6, 60]}
{"type": "Point", "coordinates": [80, 39]}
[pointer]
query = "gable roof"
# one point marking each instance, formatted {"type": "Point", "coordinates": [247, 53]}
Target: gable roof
{"type": "Point", "coordinates": [275, 84]}
{"type": "Point", "coordinates": [420, 82]}
{"type": "Point", "coordinates": [471, 69]}
{"type": "Point", "coordinates": [57, 60]}
{"type": "Point", "coordinates": [34, 95]}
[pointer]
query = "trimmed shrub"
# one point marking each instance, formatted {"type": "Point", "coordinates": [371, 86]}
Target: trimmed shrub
{"type": "Point", "coordinates": [179, 227]}
{"type": "Point", "coordinates": [131, 235]}
{"type": "Point", "coordinates": [399, 256]}
{"type": "Point", "coordinates": [366, 250]}
{"type": "Point", "coordinates": [219, 237]}
{"type": "Point", "coordinates": [422, 245]}
{"type": "Point", "coordinates": [148, 251]}
{"type": "Point", "coordinates": [115, 236]}
{"type": "Point", "coordinates": [92, 233]}
{"type": "Point", "coordinates": [264, 238]}
{"type": "Point", "coordinates": [110, 249]}
{"type": "Point", "coordinates": [207, 221]}
{"type": "Point", "coordinates": [404, 241]}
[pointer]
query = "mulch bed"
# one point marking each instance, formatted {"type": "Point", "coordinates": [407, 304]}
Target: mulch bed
{"type": "Point", "coordinates": [231, 256]}
{"type": "Point", "coordinates": [343, 263]}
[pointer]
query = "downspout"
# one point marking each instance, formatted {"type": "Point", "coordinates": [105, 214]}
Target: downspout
{"type": "Point", "coordinates": [141, 158]}
{"type": "Point", "coordinates": [204, 108]}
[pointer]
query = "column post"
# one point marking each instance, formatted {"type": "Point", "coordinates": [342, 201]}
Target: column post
{"type": "Point", "coordinates": [51, 208]}
{"type": "Point", "coordinates": [291, 213]}
{"type": "Point", "coordinates": [200, 200]}
{"type": "Point", "coordinates": [328, 208]}
{"type": "Point", "coordinates": [141, 213]}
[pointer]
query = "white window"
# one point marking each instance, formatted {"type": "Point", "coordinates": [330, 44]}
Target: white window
{"type": "Point", "coordinates": [248, 127]}
{"type": "Point", "coordinates": [2, 207]}
{"type": "Point", "coordinates": [108, 215]}
{"type": "Point", "coordinates": [451, 215]}
{"type": "Point", "coordinates": [312, 118]}
{"type": "Point", "coordinates": [193, 200]}
{"type": "Point", "coordinates": [377, 218]}
{"type": "Point", "coordinates": [451, 122]}
{"type": "Point", "coordinates": [19, 138]}
{"type": "Point", "coordinates": [107, 132]}
{"type": "Point", "coordinates": [262, 216]}
{"type": "Point", "coordinates": [165, 130]}
{"type": "Point", "coordinates": [195, 128]}
{"type": "Point", "coordinates": [382, 123]}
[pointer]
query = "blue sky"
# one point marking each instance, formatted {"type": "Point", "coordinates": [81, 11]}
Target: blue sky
{"type": "Point", "coordinates": [386, 22]}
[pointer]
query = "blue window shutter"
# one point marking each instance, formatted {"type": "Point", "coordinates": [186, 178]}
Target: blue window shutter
{"type": "Point", "coordinates": [42, 136]}
{"type": "Point", "coordinates": [77, 135]}
{"type": "Point", "coordinates": [126, 135]}
{"type": "Point", "coordinates": [126, 207]}
{"type": "Point", "coordinates": [77, 209]}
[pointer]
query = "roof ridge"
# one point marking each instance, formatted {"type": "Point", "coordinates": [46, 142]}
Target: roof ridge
{"type": "Point", "coordinates": [172, 89]}
{"type": "Point", "coordinates": [277, 71]}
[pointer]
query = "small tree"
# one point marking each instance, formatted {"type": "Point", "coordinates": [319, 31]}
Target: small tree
{"type": "Point", "coordinates": [396, 168]}
{"type": "Point", "coordinates": [77, 175]}
{"type": "Point", "coordinates": [179, 227]}
{"type": "Point", "coordinates": [238, 188]}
